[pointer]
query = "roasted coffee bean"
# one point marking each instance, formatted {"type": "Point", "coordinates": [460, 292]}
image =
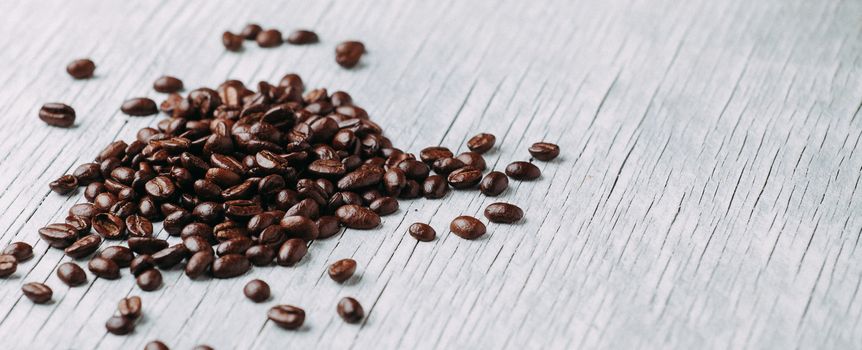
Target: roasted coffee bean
{"type": "Point", "coordinates": [198, 229]}
{"type": "Point", "coordinates": [104, 201]}
{"type": "Point", "coordinates": [207, 190]}
{"type": "Point", "coordinates": [256, 291]}
{"type": "Point", "coordinates": [342, 270]}
{"type": "Point", "coordinates": [160, 187]}
{"type": "Point", "coordinates": [196, 244]}
{"type": "Point", "coordinates": [156, 345]}
{"type": "Point", "coordinates": [223, 177]}
{"type": "Point", "coordinates": [58, 235]}
{"type": "Point", "coordinates": [93, 189]}
{"type": "Point", "coordinates": [481, 143]}
{"type": "Point", "coordinates": [348, 53]}
{"type": "Point", "coordinates": [71, 274]}
{"type": "Point", "coordinates": [466, 177]}
{"type": "Point", "coordinates": [327, 168]}
{"type": "Point", "coordinates": [168, 84]}
{"type": "Point", "coordinates": [175, 222]}
{"type": "Point", "coordinates": [57, 114]}
{"type": "Point", "coordinates": [350, 310]}
{"type": "Point", "coordinates": [340, 98]}
{"type": "Point", "coordinates": [130, 307]}
{"type": "Point", "coordinates": [121, 255]}
{"type": "Point", "coordinates": [20, 250]}
{"type": "Point", "coordinates": [38, 293]}
{"type": "Point", "coordinates": [234, 246]}
{"type": "Point", "coordinates": [230, 265]}
{"type": "Point", "coordinates": [302, 37]}
{"type": "Point", "coordinates": [229, 229]}
{"type": "Point", "coordinates": [365, 176]}
{"type": "Point", "coordinates": [170, 256]}
{"type": "Point", "coordinates": [104, 268]}
{"type": "Point", "coordinates": [467, 227]}
{"type": "Point", "coordinates": [64, 184]}
{"type": "Point", "coordinates": [139, 226]}
{"type": "Point", "coordinates": [494, 183]}
{"type": "Point", "coordinates": [139, 107]}
{"type": "Point", "coordinates": [87, 173]}
{"type": "Point", "coordinates": [231, 41]}
{"type": "Point", "coordinates": [199, 263]}
{"type": "Point", "coordinates": [412, 189]}
{"type": "Point", "coordinates": [141, 263]}
{"type": "Point", "coordinates": [269, 38]}
{"type": "Point", "coordinates": [148, 208]}
{"type": "Point", "coordinates": [241, 209]}
{"type": "Point", "coordinates": [123, 175]}
{"type": "Point", "coordinates": [250, 31]}
{"type": "Point", "coordinates": [327, 226]}
{"type": "Point", "coordinates": [357, 217]}
{"type": "Point", "coordinates": [422, 232]}
{"type": "Point", "coordinates": [503, 213]}
{"type": "Point", "coordinates": [80, 224]}
{"type": "Point", "coordinates": [286, 316]}
{"type": "Point", "coordinates": [263, 220]}
{"type": "Point", "coordinates": [120, 325]}
{"type": "Point", "coordinates": [544, 151]}
{"type": "Point", "coordinates": [523, 171]}
{"type": "Point", "coordinates": [260, 255]}
{"type": "Point", "coordinates": [149, 280]}
{"type": "Point", "coordinates": [414, 169]}
{"type": "Point", "coordinates": [384, 205]}
{"type": "Point", "coordinates": [270, 184]}
{"type": "Point", "coordinates": [434, 186]}
{"type": "Point", "coordinates": [147, 245]}
{"type": "Point", "coordinates": [109, 226]}
{"type": "Point", "coordinates": [291, 252]}
{"type": "Point", "coordinates": [394, 181]}
{"type": "Point", "coordinates": [473, 159]}
{"type": "Point", "coordinates": [81, 68]}
{"type": "Point", "coordinates": [85, 210]}
{"type": "Point", "coordinates": [8, 265]}
{"type": "Point", "coordinates": [296, 226]}
{"type": "Point", "coordinates": [83, 247]}
{"type": "Point", "coordinates": [445, 166]}
{"type": "Point", "coordinates": [429, 155]}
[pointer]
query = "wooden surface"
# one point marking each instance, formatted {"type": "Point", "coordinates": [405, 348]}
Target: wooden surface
{"type": "Point", "coordinates": [707, 194]}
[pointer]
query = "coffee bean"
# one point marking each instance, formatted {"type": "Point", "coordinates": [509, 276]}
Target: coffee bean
{"type": "Point", "coordinates": [170, 256]}
{"type": "Point", "coordinates": [38, 293]}
{"type": "Point", "coordinates": [494, 183]}
{"type": "Point", "coordinates": [412, 189]}
{"type": "Point", "coordinates": [57, 114]}
{"type": "Point", "coordinates": [269, 38]}
{"type": "Point", "coordinates": [120, 325]}
{"type": "Point", "coordinates": [473, 159]}
{"type": "Point", "coordinates": [256, 291]}
{"type": "Point", "coordinates": [83, 247]}
{"type": "Point", "coordinates": [302, 37]}
{"type": "Point", "coordinates": [342, 270]}
{"type": "Point", "coordinates": [327, 226]}
{"type": "Point", "coordinates": [434, 187]}
{"type": "Point", "coordinates": [236, 245]}
{"type": "Point", "coordinates": [466, 177]}
{"type": "Point", "coordinates": [363, 177]}
{"type": "Point", "coordinates": [104, 201]}
{"type": "Point", "coordinates": [199, 263]}
{"type": "Point", "coordinates": [350, 310]}
{"type": "Point", "coordinates": [175, 222]}
{"type": "Point", "coordinates": [139, 107]}
{"type": "Point", "coordinates": [130, 307]}
{"type": "Point", "coordinates": [291, 252]}
{"type": "Point", "coordinates": [429, 155]}
{"type": "Point", "coordinates": [160, 187]}
{"type": "Point", "coordinates": [544, 151]}
{"type": "Point", "coordinates": [357, 217]}
{"type": "Point", "coordinates": [523, 171]}
{"type": "Point", "coordinates": [241, 209]}
{"type": "Point", "coordinates": [156, 345]}
{"type": "Point", "coordinates": [260, 255]}
{"type": "Point", "coordinates": [503, 213]}
{"type": "Point", "coordinates": [149, 280]}
{"type": "Point", "coordinates": [109, 226]}
{"type": "Point", "coordinates": [231, 41]}
{"type": "Point", "coordinates": [58, 235]}
{"type": "Point", "coordinates": [250, 31]}
{"type": "Point", "coordinates": [81, 68]}
{"type": "Point", "coordinates": [327, 168]}
{"type": "Point", "coordinates": [141, 264]}
{"type": "Point", "coordinates": [301, 227]}
{"type": "Point", "coordinates": [481, 143]}
{"type": "Point", "coordinates": [414, 169]}
{"type": "Point", "coordinates": [445, 166]}
{"type": "Point", "coordinates": [64, 184]}
{"type": "Point", "coordinates": [139, 226]}
{"type": "Point", "coordinates": [286, 316]}
{"type": "Point", "coordinates": [20, 250]}
{"type": "Point", "coordinates": [384, 205]}
{"type": "Point", "coordinates": [71, 274]}
{"type": "Point", "coordinates": [87, 173]}
{"type": "Point", "coordinates": [121, 255]}
{"type": "Point", "coordinates": [422, 232]}
{"type": "Point", "coordinates": [146, 245]}
{"type": "Point", "coordinates": [8, 265]}
{"type": "Point", "coordinates": [348, 53]}
{"type": "Point", "coordinates": [467, 227]}
{"type": "Point", "coordinates": [104, 268]}
{"type": "Point", "coordinates": [168, 84]}
{"type": "Point", "coordinates": [230, 265]}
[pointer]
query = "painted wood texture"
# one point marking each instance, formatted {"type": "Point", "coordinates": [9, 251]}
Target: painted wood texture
{"type": "Point", "coordinates": [707, 194]}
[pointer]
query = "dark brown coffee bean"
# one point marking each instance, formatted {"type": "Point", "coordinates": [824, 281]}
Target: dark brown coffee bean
{"type": "Point", "coordinates": [141, 263]}
{"type": "Point", "coordinates": [149, 280]}
{"type": "Point", "coordinates": [466, 177]}
{"type": "Point", "coordinates": [156, 345]}
{"type": "Point", "coordinates": [20, 250]}
{"type": "Point", "coordinates": [84, 210]}
{"type": "Point", "coordinates": [121, 255]}
{"type": "Point", "coordinates": [422, 232]}
{"type": "Point", "coordinates": [412, 189]}
{"type": "Point", "coordinates": [57, 114]}
{"type": "Point", "coordinates": [147, 245]}
{"type": "Point", "coordinates": [81, 68]}
{"type": "Point", "coordinates": [241, 209]}
{"type": "Point", "coordinates": [256, 291]}
{"type": "Point", "coordinates": [467, 227]}
{"type": "Point", "coordinates": [523, 171]}
{"type": "Point", "coordinates": [230, 265]}
{"type": "Point", "coordinates": [80, 224]}
{"type": "Point", "coordinates": [384, 205]}
{"type": "Point", "coordinates": [104, 268]}
{"type": "Point", "coordinates": [139, 107]}
{"type": "Point", "coordinates": [87, 173]}
{"type": "Point", "coordinates": [37, 292]}
{"type": "Point", "coordinates": [123, 175]}
{"type": "Point", "coordinates": [234, 246]}
{"type": "Point", "coordinates": [291, 252]}
{"type": "Point", "coordinates": [160, 187]}
{"type": "Point", "coordinates": [494, 183]}
{"type": "Point", "coordinates": [199, 263]}
{"type": "Point", "coordinates": [120, 325]}
{"type": "Point", "coordinates": [302, 37]}
{"type": "Point", "coordinates": [261, 221]}
{"type": "Point", "coordinates": [260, 255]}
{"type": "Point", "coordinates": [223, 177]}
{"type": "Point", "coordinates": [250, 31]}
{"type": "Point", "coordinates": [286, 316]}
{"type": "Point", "coordinates": [8, 265]}
{"type": "Point", "coordinates": [201, 230]}
{"type": "Point", "coordinates": [139, 226]}
{"type": "Point", "coordinates": [296, 226]}
{"type": "Point", "coordinates": [71, 274]}
{"type": "Point", "coordinates": [544, 151]}
{"type": "Point", "coordinates": [473, 159]}
{"type": "Point", "coordinates": [357, 217]}
{"type": "Point", "coordinates": [350, 310]}
{"type": "Point", "coordinates": [104, 201]}
{"type": "Point", "coordinates": [64, 184]}
{"type": "Point", "coordinates": [327, 168]}
{"type": "Point", "coordinates": [231, 41]}
{"type": "Point", "coordinates": [444, 166]}
{"type": "Point", "coordinates": [434, 186]}
{"type": "Point", "coordinates": [348, 53]}
{"type": "Point", "coordinates": [83, 247]}
{"type": "Point", "coordinates": [429, 155]}
{"type": "Point", "coordinates": [175, 222]}
{"type": "Point", "coordinates": [503, 213]}
{"type": "Point", "coordinates": [327, 226]}
{"type": "Point", "coordinates": [130, 307]}
{"type": "Point", "coordinates": [481, 143]}
{"type": "Point", "coordinates": [58, 235]}
{"type": "Point", "coordinates": [269, 38]}
{"type": "Point", "coordinates": [365, 176]}
{"type": "Point", "coordinates": [109, 226]}
{"type": "Point", "coordinates": [170, 256]}
{"type": "Point", "coordinates": [168, 84]}
{"type": "Point", "coordinates": [342, 270]}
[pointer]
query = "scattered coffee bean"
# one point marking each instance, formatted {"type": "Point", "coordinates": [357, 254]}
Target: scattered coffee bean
{"type": "Point", "coordinates": [8, 265]}
{"type": "Point", "coordinates": [302, 37]}
{"type": "Point", "coordinates": [250, 31]}
{"type": "Point", "coordinates": [147, 245]}
{"type": "Point", "coordinates": [156, 345]}
{"type": "Point", "coordinates": [260, 255]}
{"type": "Point", "coordinates": [139, 226]}
{"type": "Point", "coordinates": [291, 252]}
{"type": "Point", "coordinates": [58, 235]}
{"type": "Point", "coordinates": [467, 227]}
{"type": "Point", "coordinates": [327, 226]}
{"type": "Point", "coordinates": [256, 290]}
{"type": "Point", "coordinates": [149, 280]}
{"type": "Point", "coordinates": [523, 171]}
{"type": "Point", "coordinates": [445, 166]}
{"type": "Point", "coordinates": [231, 41]}
{"type": "Point", "coordinates": [170, 256]}
{"type": "Point", "coordinates": [464, 178]}
{"type": "Point", "coordinates": [120, 325]}
{"type": "Point", "coordinates": [139, 107]}
{"type": "Point", "coordinates": [357, 217]}
{"type": "Point", "coordinates": [83, 247]}
{"type": "Point", "coordinates": [348, 53]}
{"type": "Point", "coordinates": [286, 316]}
{"type": "Point", "coordinates": [121, 255]}
{"type": "Point", "coordinates": [269, 38]}
{"type": "Point", "coordinates": [199, 263]}
{"type": "Point", "coordinates": [384, 205]}
{"type": "Point", "coordinates": [422, 232]}
{"type": "Point", "coordinates": [71, 274]}
{"type": "Point", "coordinates": [57, 114]}
{"type": "Point", "coordinates": [473, 159]}
{"type": "Point", "coordinates": [168, 84]}
{"type": "Point", "coordinates": [81, 68]}
{"type": "Point", "coordinates": [109, 226]}
{"type": "Point", "coordinates": [350, 310]}
{"type": "Point", "coordinates": [503, 213]}
{"type": "Point", "coordinates": [37, 292]}
{"type": "Point", "coordinates": [494, 184]}
{"type": "Point", "coordinates": [429, 155]}
{"type": "Point", "coordinates": [544, 151]}
{"type": "Point", "coordinates": [104, 268]}
{"type": "Point", "coordinates": [434, 187]}
{"type": "Point", "coordinates": [230, 265]}
{"type": "Point", "coordinates": [481, 143]}
{"type": "Point", "coordinates": [20, 250]}
{"type": "Point", "coordinates": [342, 270]}
{"type": "Point", "coordinates": [65, 184]}
{"type": "Point", "coordinates": [141, 264]}
{"type": "Point", "coordinates": [130, 307]}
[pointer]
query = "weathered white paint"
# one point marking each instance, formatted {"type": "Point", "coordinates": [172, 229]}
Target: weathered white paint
{"type": "Point", "coordinates": [706, 195]}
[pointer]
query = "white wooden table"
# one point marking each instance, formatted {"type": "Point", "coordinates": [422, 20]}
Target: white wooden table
{"type": "Point", "coordinates": [707, 195]}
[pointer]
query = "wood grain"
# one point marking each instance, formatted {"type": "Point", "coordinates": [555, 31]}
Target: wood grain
{"type": "Point", "coordinates": [707, 193]}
